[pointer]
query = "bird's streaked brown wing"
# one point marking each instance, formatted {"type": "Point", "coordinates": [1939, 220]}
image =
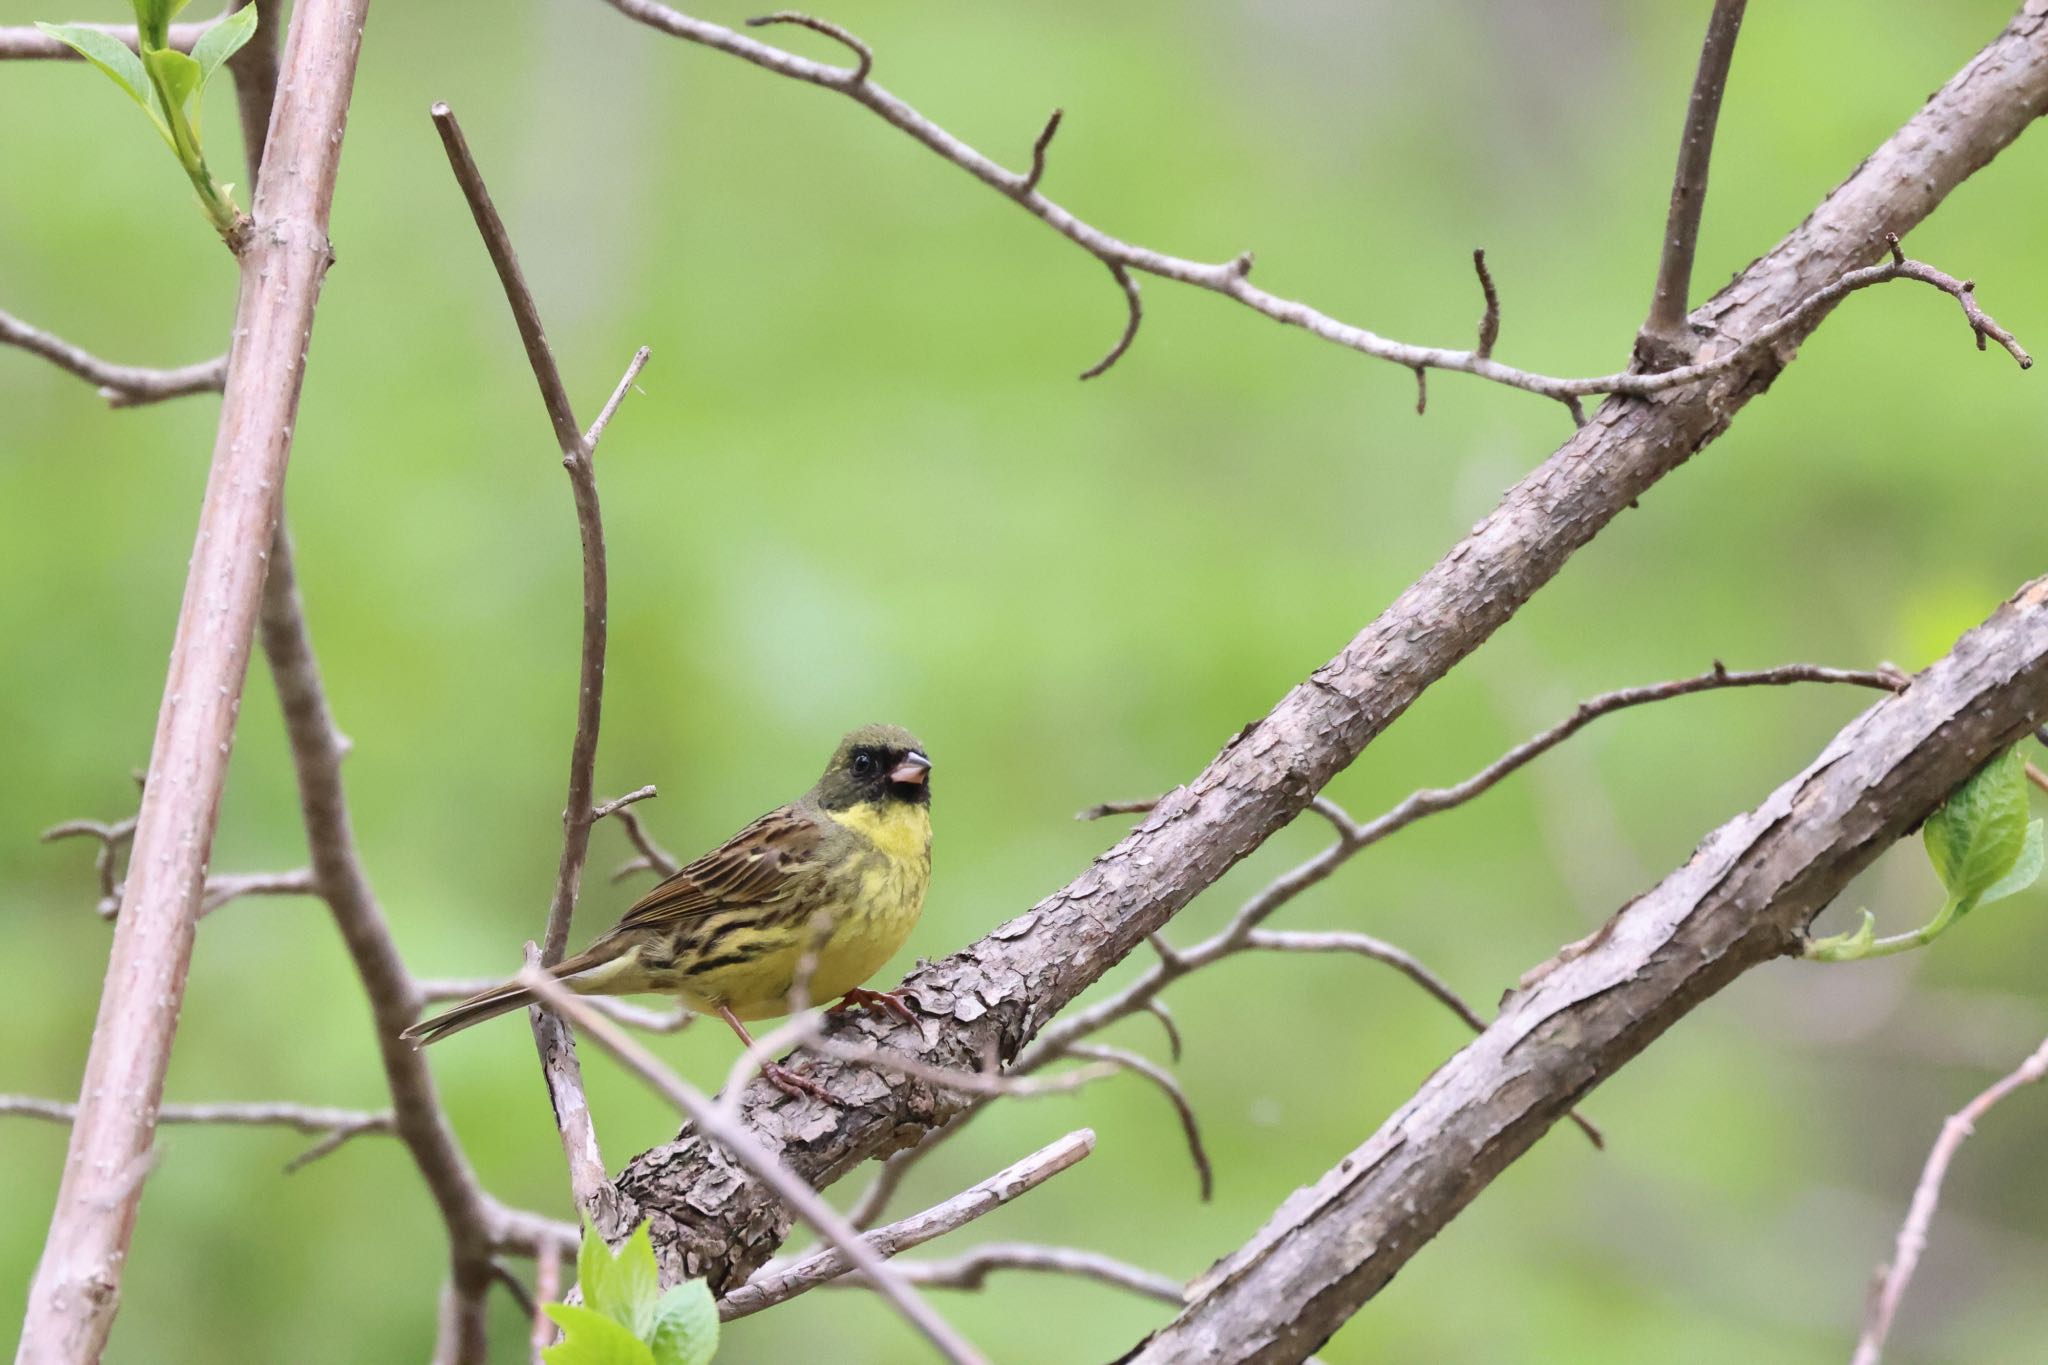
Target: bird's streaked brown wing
{"type": "Point", "coordinates": [753, 867]}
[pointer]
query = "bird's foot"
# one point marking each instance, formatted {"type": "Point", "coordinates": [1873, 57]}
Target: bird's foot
{"type": "Point", "coordinates": [887, 1002]}
{"type": "Point", "coordinates": [795, 1083]}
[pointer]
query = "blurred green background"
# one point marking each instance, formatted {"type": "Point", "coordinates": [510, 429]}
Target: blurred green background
{"type": "Point", "coordinates": [862, 483]}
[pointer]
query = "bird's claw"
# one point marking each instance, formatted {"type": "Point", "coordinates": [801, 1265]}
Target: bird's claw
{"type": "Point", "coordinates": [795, 1083]}
{"type": "Point", "coordinates": [892, 1003]}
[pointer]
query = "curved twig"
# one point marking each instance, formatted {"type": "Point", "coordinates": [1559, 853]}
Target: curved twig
{"type": "Point", "coordinates": [1136, 304]}
{"type": "Point", "coordinates": [123, 386]}
{"type": "Point", "coordinates": [864, 56]}
{"type": "Point", "coordinates": [1168, 1086]}
{"type": "Point", "coordinates": [1912, 1239]}
{"type": "Point", "coordinates": [777, 1283]}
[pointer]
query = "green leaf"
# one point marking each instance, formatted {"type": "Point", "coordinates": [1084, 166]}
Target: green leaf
{"type": "Point", "coordinates": [591, 1338]}
{"type": "Point", "coordinates": [685, 1326]}
{"type": "Point", "coordinates": [2024, 873]}
{"type": "Point", "coordinates": [1977, 836]}
{"type": "Point", "coordinates": [222, 41]}
{"type": "Point", "coordinates": [176, 73]}
{"type": "Point", "coordinates": [626, 1287]}
{"type": "Point", "coordinates": [112, 56]}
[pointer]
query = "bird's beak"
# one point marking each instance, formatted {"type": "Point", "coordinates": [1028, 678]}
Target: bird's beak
{"type": "Point", "coordinates": [912, 769]}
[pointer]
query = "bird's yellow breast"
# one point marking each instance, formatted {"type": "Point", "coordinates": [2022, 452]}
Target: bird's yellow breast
{"type": "Point", "coordinates": [900, 830]}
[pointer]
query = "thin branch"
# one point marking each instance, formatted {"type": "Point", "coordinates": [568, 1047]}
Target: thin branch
{"type": "Point", "coordinates": [775, 1285]}
{"type": "Point", "coordinates": [71, 1305]}
{"type": "Point", "coordinates": [1430, 801]}
{"type": "Point", "coordinates": [738, 1140]}
{"type": "Point", "coordinates": [1489, 321]}
{"type": "Point", "coordinates": [1665, 339]}
{"type": "Point", "coordinates": [521, 1295]}
{"type": "Point", "coordinates": [525, 314]}
{"type": "Point", "coordinates": [112, 839]}
{"type": "Point", "coordinates": [1144, 1066]}
{"type": "Point", "coordinates": [233, 886]}
{"type": "Point", "coordinates": [972, 1269]}
{"type": "Point", "coordinates": [1158, 1010]}
{"type": "Point", "coordinates": [556, 1046]}
{"type": "Point", "coordinates": [627, 383]}
{"type": "Point", "coordinates": [621, 1011]}
{"type": "Point", "coordinates": [123, 386]}
{"type": "Point", "coordinates": [33, 45]}
{"type": "Point", "coordinates": [1912, 1239]}
{"type": "Point", "coordinates": [619, 803]}
{"type": "Point", "coordinates": [864, 57]}
{"type": "Point", "coordinates": [1229, 278]}
{"type": "Point", "coordinates": [471, 1218]}
{"type": "Point", "coordinates": [1135, 303]}
{"type": "Point", "coordinates": [312, 1119]}
{"type": "Point", "coordinates": [653, 857]}
{"type": "Point", "coordinates": [1038, 149]}
{"type": "Point", "coordinates": [1402, 961]}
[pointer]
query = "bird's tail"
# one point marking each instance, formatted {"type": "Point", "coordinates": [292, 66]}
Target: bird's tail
{"type": "Point", "coordinates": [490, 1004]}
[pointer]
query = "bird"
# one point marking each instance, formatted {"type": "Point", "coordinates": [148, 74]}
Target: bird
{"type": "Point", "coordinates": [840, 873]}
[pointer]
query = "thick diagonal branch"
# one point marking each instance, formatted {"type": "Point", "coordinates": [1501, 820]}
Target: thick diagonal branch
{"type": "Point", "coordinates": [995, 995]}
{"type": "Point", "coordinates": [1744, 898]}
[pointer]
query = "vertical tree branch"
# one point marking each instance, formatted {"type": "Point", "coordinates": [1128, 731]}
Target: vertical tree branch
{"type": "Point", "coordinates": [1666, 340]}
{"type": "Point", "coordinates": [551, 1036]}
{"type": "Point", "coordinates": [393, 996]}
{"type": "Point", "coordinates": [72, 1302]}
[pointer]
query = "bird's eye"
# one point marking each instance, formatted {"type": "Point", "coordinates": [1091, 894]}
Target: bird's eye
{"type": "Point", "coordinates": [863, 764]}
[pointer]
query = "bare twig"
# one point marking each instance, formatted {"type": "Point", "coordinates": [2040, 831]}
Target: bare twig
{"type": "Point", "coordinates": [32, 44]}
{"type": "Point", "coordinates": [653, 857]}
{"type": "Point", "coordinates": [622, 1011]}
{"type": "Point", "coordinates": [619, 803]}
{"type": "Point", "coordinates": [235, 885]}
{"type": "Point", "coordinates": [737, 1139]}
{"type": "Point", "coordinates": [1141, 1065]}
{"type": "Point", "coordinates": [123, 386]}
{"type": "Point", "coordinates": [1135, 303]}
{"type": "Point", "coordinates": [971, 1270]}
{"type": "Point", "coordinates": [1666, 340]}
{"type": "Point", "coordinates": [72, 1302]}
{"type": "Point", "coordinates": [1892, 1279]}
{"type": "Point", "coordinates": [112, 839]}
{"type": "Point", "coordinates": [332, 1126]}
{"type": "Point", "coordinates": [864, 57]}
{"type": "Point", "coordinates": [1432, 800]}
{"type": "Point", "coordinates": [778, 1283]}
{"type": "Point", "coordinates": [1489, 321]}
{"type": "Point", "coordinates": [1038, 149]}
{"type": "Point", "coordinates": [1228, 278]}
{"type": "Point", "coordinates": [556, 1047]}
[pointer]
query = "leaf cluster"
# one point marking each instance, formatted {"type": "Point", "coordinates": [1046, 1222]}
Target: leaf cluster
{"type": "Point", "coordinates": [625, 1318]}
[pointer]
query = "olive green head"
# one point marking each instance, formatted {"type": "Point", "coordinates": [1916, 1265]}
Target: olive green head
{"type": "Point", "coordinates": [876, 764]}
